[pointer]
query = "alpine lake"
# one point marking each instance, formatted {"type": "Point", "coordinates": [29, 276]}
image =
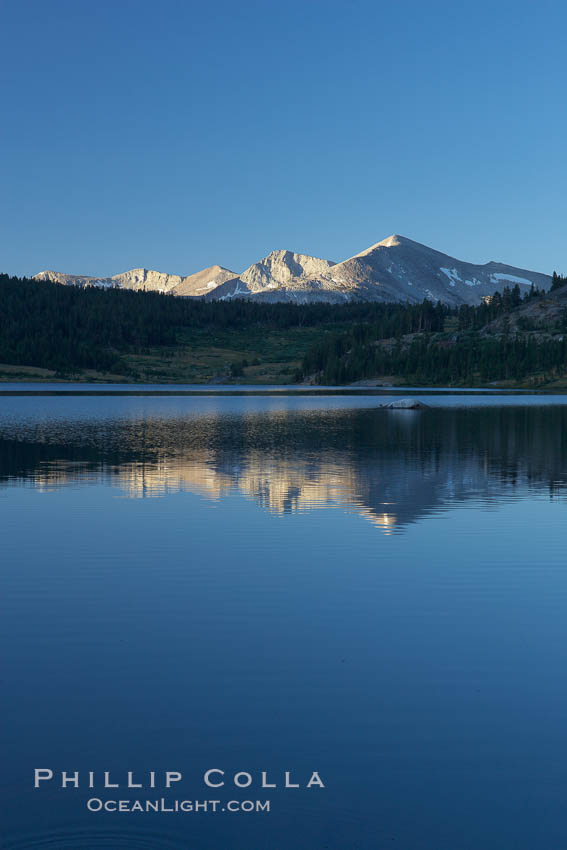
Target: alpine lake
{"type": "Point", "coordinates": [357, 614]}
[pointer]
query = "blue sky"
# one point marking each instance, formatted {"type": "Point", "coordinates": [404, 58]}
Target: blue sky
{"type": "Point", "coordinates": [177, 134]}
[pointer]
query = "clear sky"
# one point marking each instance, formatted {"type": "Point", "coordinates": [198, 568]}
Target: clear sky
{"type": "Point", "coordinates": [177, 134]}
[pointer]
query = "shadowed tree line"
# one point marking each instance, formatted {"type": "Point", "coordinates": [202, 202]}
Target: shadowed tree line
{"type": "Point", "coordinates": [66, 328]}
{"type": "Point", "coordinates": [61, 327]}
{"type": "Point", "coordinates": [461, 356]}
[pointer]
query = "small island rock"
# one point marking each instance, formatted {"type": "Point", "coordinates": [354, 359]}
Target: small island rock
{"type": "Point", "coordinates": [407, 404]}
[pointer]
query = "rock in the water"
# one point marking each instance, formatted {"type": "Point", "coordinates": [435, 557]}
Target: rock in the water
{"type": "Point", "coordinates": [407, 404]}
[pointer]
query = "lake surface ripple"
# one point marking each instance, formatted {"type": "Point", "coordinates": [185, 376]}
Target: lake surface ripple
{"type": "Point", "coordinates": [287, 584]}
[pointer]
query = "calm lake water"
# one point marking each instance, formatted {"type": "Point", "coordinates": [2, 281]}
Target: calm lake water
{"type": "Point", "coordinates": [286, 584]}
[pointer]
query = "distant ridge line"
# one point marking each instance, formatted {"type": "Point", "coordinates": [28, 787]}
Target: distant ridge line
{"type": "Point", "coordinates": [396, 269]}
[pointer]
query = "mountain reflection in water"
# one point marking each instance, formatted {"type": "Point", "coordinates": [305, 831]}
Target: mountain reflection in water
{"type": "Point", "coordinates": [392, 467]}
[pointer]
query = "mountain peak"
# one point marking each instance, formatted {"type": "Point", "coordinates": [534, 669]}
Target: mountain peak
{"type": "Point", "coordinates": [397, 239]}
{"type": "Point", "coordinates": [390, 241]}
{"type": "Point", "coordinates": [280, 267]}
{"type": "Point", "coordinates": [280, 252]}
{"type": "Point", "coordinates": [393, 241]}
{"type": "Point", "coordinates": [397, 269]}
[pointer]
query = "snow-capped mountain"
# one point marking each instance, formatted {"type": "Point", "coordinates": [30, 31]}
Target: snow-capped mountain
{"type": "Point", "coordinates": [273, 274]}
{"type": "Point", "coordinates": [396, 269]}
{"type": "Point", "coordinates": [280, 268]}
{"type": "Point", "coordinates": [399, 269]}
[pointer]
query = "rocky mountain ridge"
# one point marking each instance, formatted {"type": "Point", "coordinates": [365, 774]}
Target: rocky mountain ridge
{"type": "Point", "coordinates": [395, 269]}
{"type": "Point", "coordinates": [153, 281]}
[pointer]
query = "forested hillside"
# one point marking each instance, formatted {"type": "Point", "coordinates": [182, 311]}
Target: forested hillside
{"type": "Point", "coordinates": [495, 341]}
{"type": "Point", "coordinates": [152, 336]}
{"type": "Point", "coordinates": [68, 329]}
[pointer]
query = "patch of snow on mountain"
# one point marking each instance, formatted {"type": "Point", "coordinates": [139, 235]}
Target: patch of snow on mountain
{"type": "Point", "coordinates": [511, 278]}
{"type": "Point", "coordinates": [237, 291]}
{"type": "Point", "coordinates": [452, 274]}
